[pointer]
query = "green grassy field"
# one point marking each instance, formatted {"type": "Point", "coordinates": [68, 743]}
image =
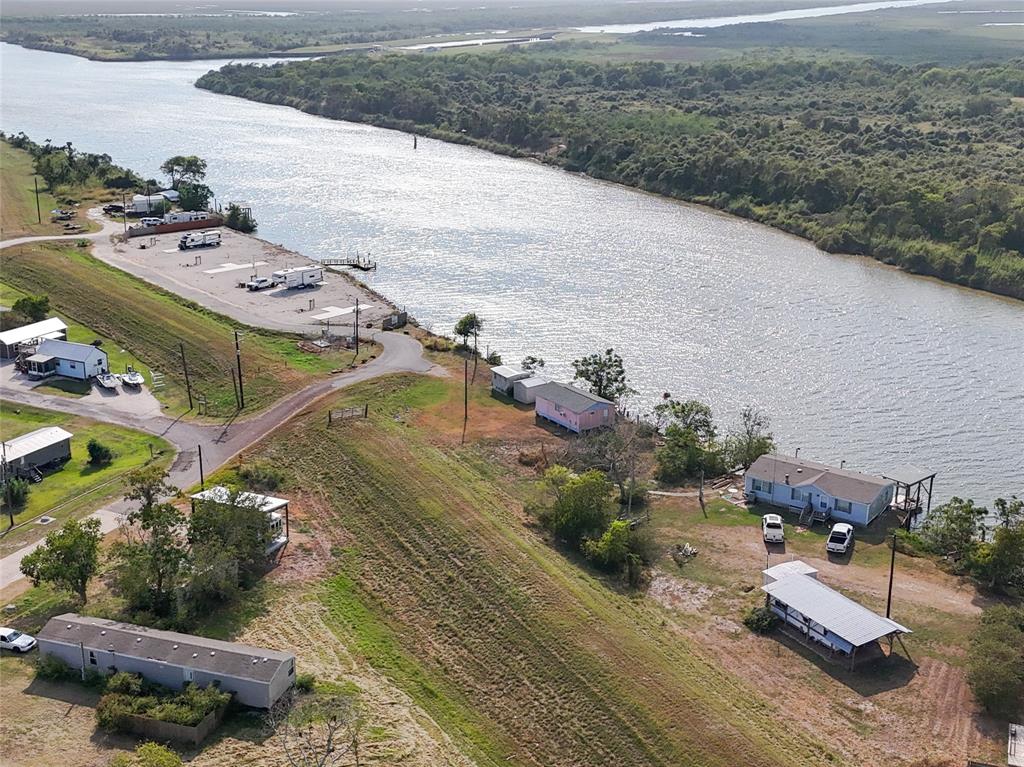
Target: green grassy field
{"type": "Point", "coordinates": [78, 484]}
{"type": "Point", "coordinates": [18, 215]}
{"type": "Point", "coordinates": [520, 654]}
{"type": "Point", "coordinates": [142, 323]}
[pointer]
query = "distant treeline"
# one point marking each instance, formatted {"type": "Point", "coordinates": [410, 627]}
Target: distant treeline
{"type": "Point", "coordinates": [921, 167]}
{"type": "Point", "coordinates": [61, 164]}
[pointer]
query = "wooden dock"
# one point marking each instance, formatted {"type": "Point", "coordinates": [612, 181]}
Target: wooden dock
{"type": "Point", "coordinates": [353, 262]}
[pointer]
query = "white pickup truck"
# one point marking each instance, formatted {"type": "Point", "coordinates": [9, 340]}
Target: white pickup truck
{"type": "Point", "coordinates": [259, 283]}
{"type": "Point", "coordinates": [840, 539]}
{"type": "Point", "coordinates": [771, 529]}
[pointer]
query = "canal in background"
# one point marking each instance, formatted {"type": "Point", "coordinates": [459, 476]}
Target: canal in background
{"type": "Point", "coordinates": [851, 359]}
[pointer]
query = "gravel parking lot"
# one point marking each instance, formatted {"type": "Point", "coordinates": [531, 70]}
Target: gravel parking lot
{"type": "Point", "coordinates": [215, 277]}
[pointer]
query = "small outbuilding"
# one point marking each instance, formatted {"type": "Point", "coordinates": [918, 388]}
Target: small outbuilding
{"type": "Point", "coordinates": [1015, 745]}
{"type": "Point", "coordinates": [64, 358]}
{"type": "Point", "coordinates": [23, 456]}
{"type": "Point", "coordinates": [525, 389]}
{"type": "Point", "coordinates": [824, 492]}
{"type": "Point", "coordinates": [503, 377]}
{"type": "Point", "coordinates": [14, 340]}
{"type": "Point", "coordinates": [823, 617]}
{"type": "Point", "coordinates": [275, 508]}
{"type": "Point", "coordinates": [574, 409]}
{"type": "Point", "coordinates": [257, 677]}
{"type": "Point", "coordinates": [171, 195]}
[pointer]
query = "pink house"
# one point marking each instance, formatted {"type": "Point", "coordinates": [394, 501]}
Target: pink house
{"type": "Point", "coordinates": [575, 409]}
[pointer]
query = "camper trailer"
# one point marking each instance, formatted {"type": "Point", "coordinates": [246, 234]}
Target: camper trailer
{"type": "Point", "coordinates": [207, 239]}
{"type": "Point", "coordinates": [299, 277]}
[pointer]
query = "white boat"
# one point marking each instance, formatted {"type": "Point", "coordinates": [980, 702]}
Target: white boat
{"type": "Point", "coordinates": [132, 377]}
{"type": "Point", "coordinates": [108, 380]}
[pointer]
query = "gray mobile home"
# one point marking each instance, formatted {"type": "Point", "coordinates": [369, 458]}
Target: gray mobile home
{"type": "Point", "coordinates": [258, 677]}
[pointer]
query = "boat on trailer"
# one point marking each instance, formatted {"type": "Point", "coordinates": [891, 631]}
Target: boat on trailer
{"type": "Point", "coordinates": [132, 377]}
{"type": "Point", "coordinates": [108, 380]}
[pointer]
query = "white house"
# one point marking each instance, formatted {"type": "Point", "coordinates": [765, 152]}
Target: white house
{"type": "Point", "coordinates": [839, 494]}
{"type": "Point", "coordinates": [503, 377]}
{"type": "Point", "coordinates": [525, 389]}
{"type": "Point", "coordinates": [64, 358]}
{"type": "Point", "coordinates": [276, 510]}
{"type": "Point", "coordinates": [146, 204]}
{"type": "Point", "coordinates": [184, 216]}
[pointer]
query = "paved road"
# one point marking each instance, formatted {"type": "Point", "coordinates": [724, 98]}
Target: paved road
{"type": "Point", "coordinates": [108, 228]}
{"type": "Point", "coordinates": [220, 443]}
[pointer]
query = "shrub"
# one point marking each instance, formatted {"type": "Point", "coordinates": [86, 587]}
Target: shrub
{"type": "Point", "coordinates": [261, 476]}
{"type": "Point", "coordinates": [16, 492]}
{"type": "Point", "coordinates": [438, 344]}
{"type": "Point", "coordinates": [53, 668]}
{"type": "Point", "coordinates": [305, 682]}
{"type": "Point", "coordinates": [99, 454]}
{"type": "Point", "coordinates": [125, 683]}
{"type": "Point", "coordinates": [147, 755]}
{"type": "Point", "coordinates": [995, 660]}
{"type": "Point", "coordinates": [760, 620]}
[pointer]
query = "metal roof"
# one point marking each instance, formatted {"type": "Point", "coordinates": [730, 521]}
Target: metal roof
{"type": "Point", "coordinates": [221, 494]}
{"type": "Point", "coordinates": [1015, 745]}
{"type": "Point", "coordinates": [68, 350]}
{"type": "Point", "coordinates": [783, 569]}
{"type": "Point", "coordinates": [839, 614]}
{"type": "Point", "coordinates": [576, 400]}
{"type": "Point", "coordinates": [532, 381]}
{"type": "Point", "coordinates": [228, 658]}
{"type": "Point", "coordinates": [33, 331]}
{"type": "Point", "coordinates": [40, 439]}
{"type": "Point", "coordinates": [839, 483]}
{"type": "Point", "coordinates": [909, 475]}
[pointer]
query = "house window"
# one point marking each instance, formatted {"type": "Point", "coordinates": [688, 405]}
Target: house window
{"type": "Point", "coordinates": [72, 365]}
{"type": "Point", "coordinates": [798, 494]}
{"type": "Point", "coordinates": [92, 658]}
{"type": "Point", "coordinates": [844, 506]}
{"type": "Point", "coordinates": [760, 486]}
{"type": "Point", "coordinates": [291, 668]}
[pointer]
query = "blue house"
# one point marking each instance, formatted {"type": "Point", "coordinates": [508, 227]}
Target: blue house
{"type": "Point", "coordinates": [828, 492]}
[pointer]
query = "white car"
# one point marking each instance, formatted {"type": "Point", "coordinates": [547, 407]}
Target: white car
{"type": "Point", "coordinates": [840, 539]}
{"type": "Point", "coordinates": [12, 639]}
{"type": "Point", "coordinates": [771, 529]}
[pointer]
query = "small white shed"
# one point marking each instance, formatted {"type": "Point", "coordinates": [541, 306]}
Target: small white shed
{"type": "Point", "coordinates": [503, 377]}
{"type": "Point", "coordinates": [525, 389]}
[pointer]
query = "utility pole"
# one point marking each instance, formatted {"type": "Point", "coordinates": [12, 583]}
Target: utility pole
{"type": "Point", "coordinates": [202, 477]}
{"type": "Point", "coordinates": [238, 360]}
{"type": "Point", "coordinates": [124, 213]}
{"type": "Point", "coordinates": [184, 365]}
{"type": "Point", "coordinates": [357, 327]}
{"type": "Point", "coordinates": [465, 399]}
{"type": "Point", "coordinates": [39, 213]}
{"type": "Point", "coordinates": [234, 388]}
{"type": "Point", "coordinates": [892, 569]}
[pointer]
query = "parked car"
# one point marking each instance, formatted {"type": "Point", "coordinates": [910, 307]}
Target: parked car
{"type": "Point", "coordinates": [771, 529]}
{"type": "Point", "coordinates": [259, 283]}
{"type": "Point", "coordinates": [12, 639]}
{"type": "Point", "coordinates": [113, 208]}
{"type": "Point", "coordinates": [840, 539]}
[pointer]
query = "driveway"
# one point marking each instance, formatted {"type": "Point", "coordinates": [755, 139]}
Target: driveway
{"type": "Point", "coordinates": [220, 443]}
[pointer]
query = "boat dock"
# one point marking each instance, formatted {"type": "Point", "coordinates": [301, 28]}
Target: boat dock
{"type": "Point", "coordinates": [354, 262]}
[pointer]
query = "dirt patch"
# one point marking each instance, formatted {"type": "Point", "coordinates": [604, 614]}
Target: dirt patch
{"type": "Point", "coordinates": [678, 594]}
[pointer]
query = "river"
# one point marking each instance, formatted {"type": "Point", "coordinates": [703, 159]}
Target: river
{"type": "Point", "coordinates": [852, 360]}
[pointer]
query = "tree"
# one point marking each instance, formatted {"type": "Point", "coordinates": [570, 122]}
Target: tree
{"type": "Point", "coordinates": [952, 529]}
{"type": "Point", "coordinates": [604, 373]}
{"type": "Point", "coordinates": [99, 454]}
{"type": "Point", "coordinates": [239, 220]}
{"type": "Point", "coordinates": [1008, 512]}
{"type": "Point", "coordinates": [34, 308]}
{"type": "Point", "coordinates": [609, 552]}
{"type": "Point", "coordinates": [184, 168]}
{"type": "Point", "coordinates": [147, 485]}
{"type": "Point", "coordinates": [995, 660]}
{"type": "Point", "coordinates": [1001, 562]}
{"type": "Point", "coordinates": [68, 557]}
{"type": "Point", "coordinates": [689, 415]}
{"type": "Point", "coordinates": [683, 456]}
{"type": "Point", "coordinates": [240, 526]}
{"type": "Point", "coordinates": [152, 558]}
{"type": "Point", "coordinates": [318, 732]}
{"type": "Point", "coordinates": [582, 507]}
{"type": "Point", "coordinates": [614, 451]}
{"type": "Point", "coordinates": [194, 196]}
{"type": "Point", "coordinates": [532, 364]}
{"type": "Point", "coordinates": [469, 325]}
{"type": "Point", "coordinates": [751, 440]}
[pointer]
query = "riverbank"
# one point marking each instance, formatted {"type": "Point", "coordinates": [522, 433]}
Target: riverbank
{"type": "Point", "coordinates": [876, 184]}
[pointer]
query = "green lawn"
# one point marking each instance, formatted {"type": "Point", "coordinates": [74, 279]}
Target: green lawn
{"type": "Point", "coordinates": [78, 485]}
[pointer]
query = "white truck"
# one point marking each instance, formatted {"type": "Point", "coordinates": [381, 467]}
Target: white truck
{"type": "Point", "coordinates": [299, 277]}
{"type": "Point", "coordinates": [208, 239]}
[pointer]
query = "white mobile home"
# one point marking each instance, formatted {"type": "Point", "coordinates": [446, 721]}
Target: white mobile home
{"type": "Point", "coordinates": [503, 377]}
{"type": "Point", "coordinates": [258, 677]}
{"type": "Point", "coordinates": [839, 494]}
{"type": "Point", "coordinates": [64, 358]}
{"type": "Point", "coordinates": [21, 456]}
{"type": "Point", "coordinates": [276, 510]}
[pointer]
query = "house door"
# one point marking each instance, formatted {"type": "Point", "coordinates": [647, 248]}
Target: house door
{"type": "Point", "coordinates": [189, 675]}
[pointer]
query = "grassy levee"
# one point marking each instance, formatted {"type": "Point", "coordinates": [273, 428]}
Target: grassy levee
{"type": "Point", "coordinates": [149, 323]}
{"type": "Point", "coordinates": [518, 651]}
